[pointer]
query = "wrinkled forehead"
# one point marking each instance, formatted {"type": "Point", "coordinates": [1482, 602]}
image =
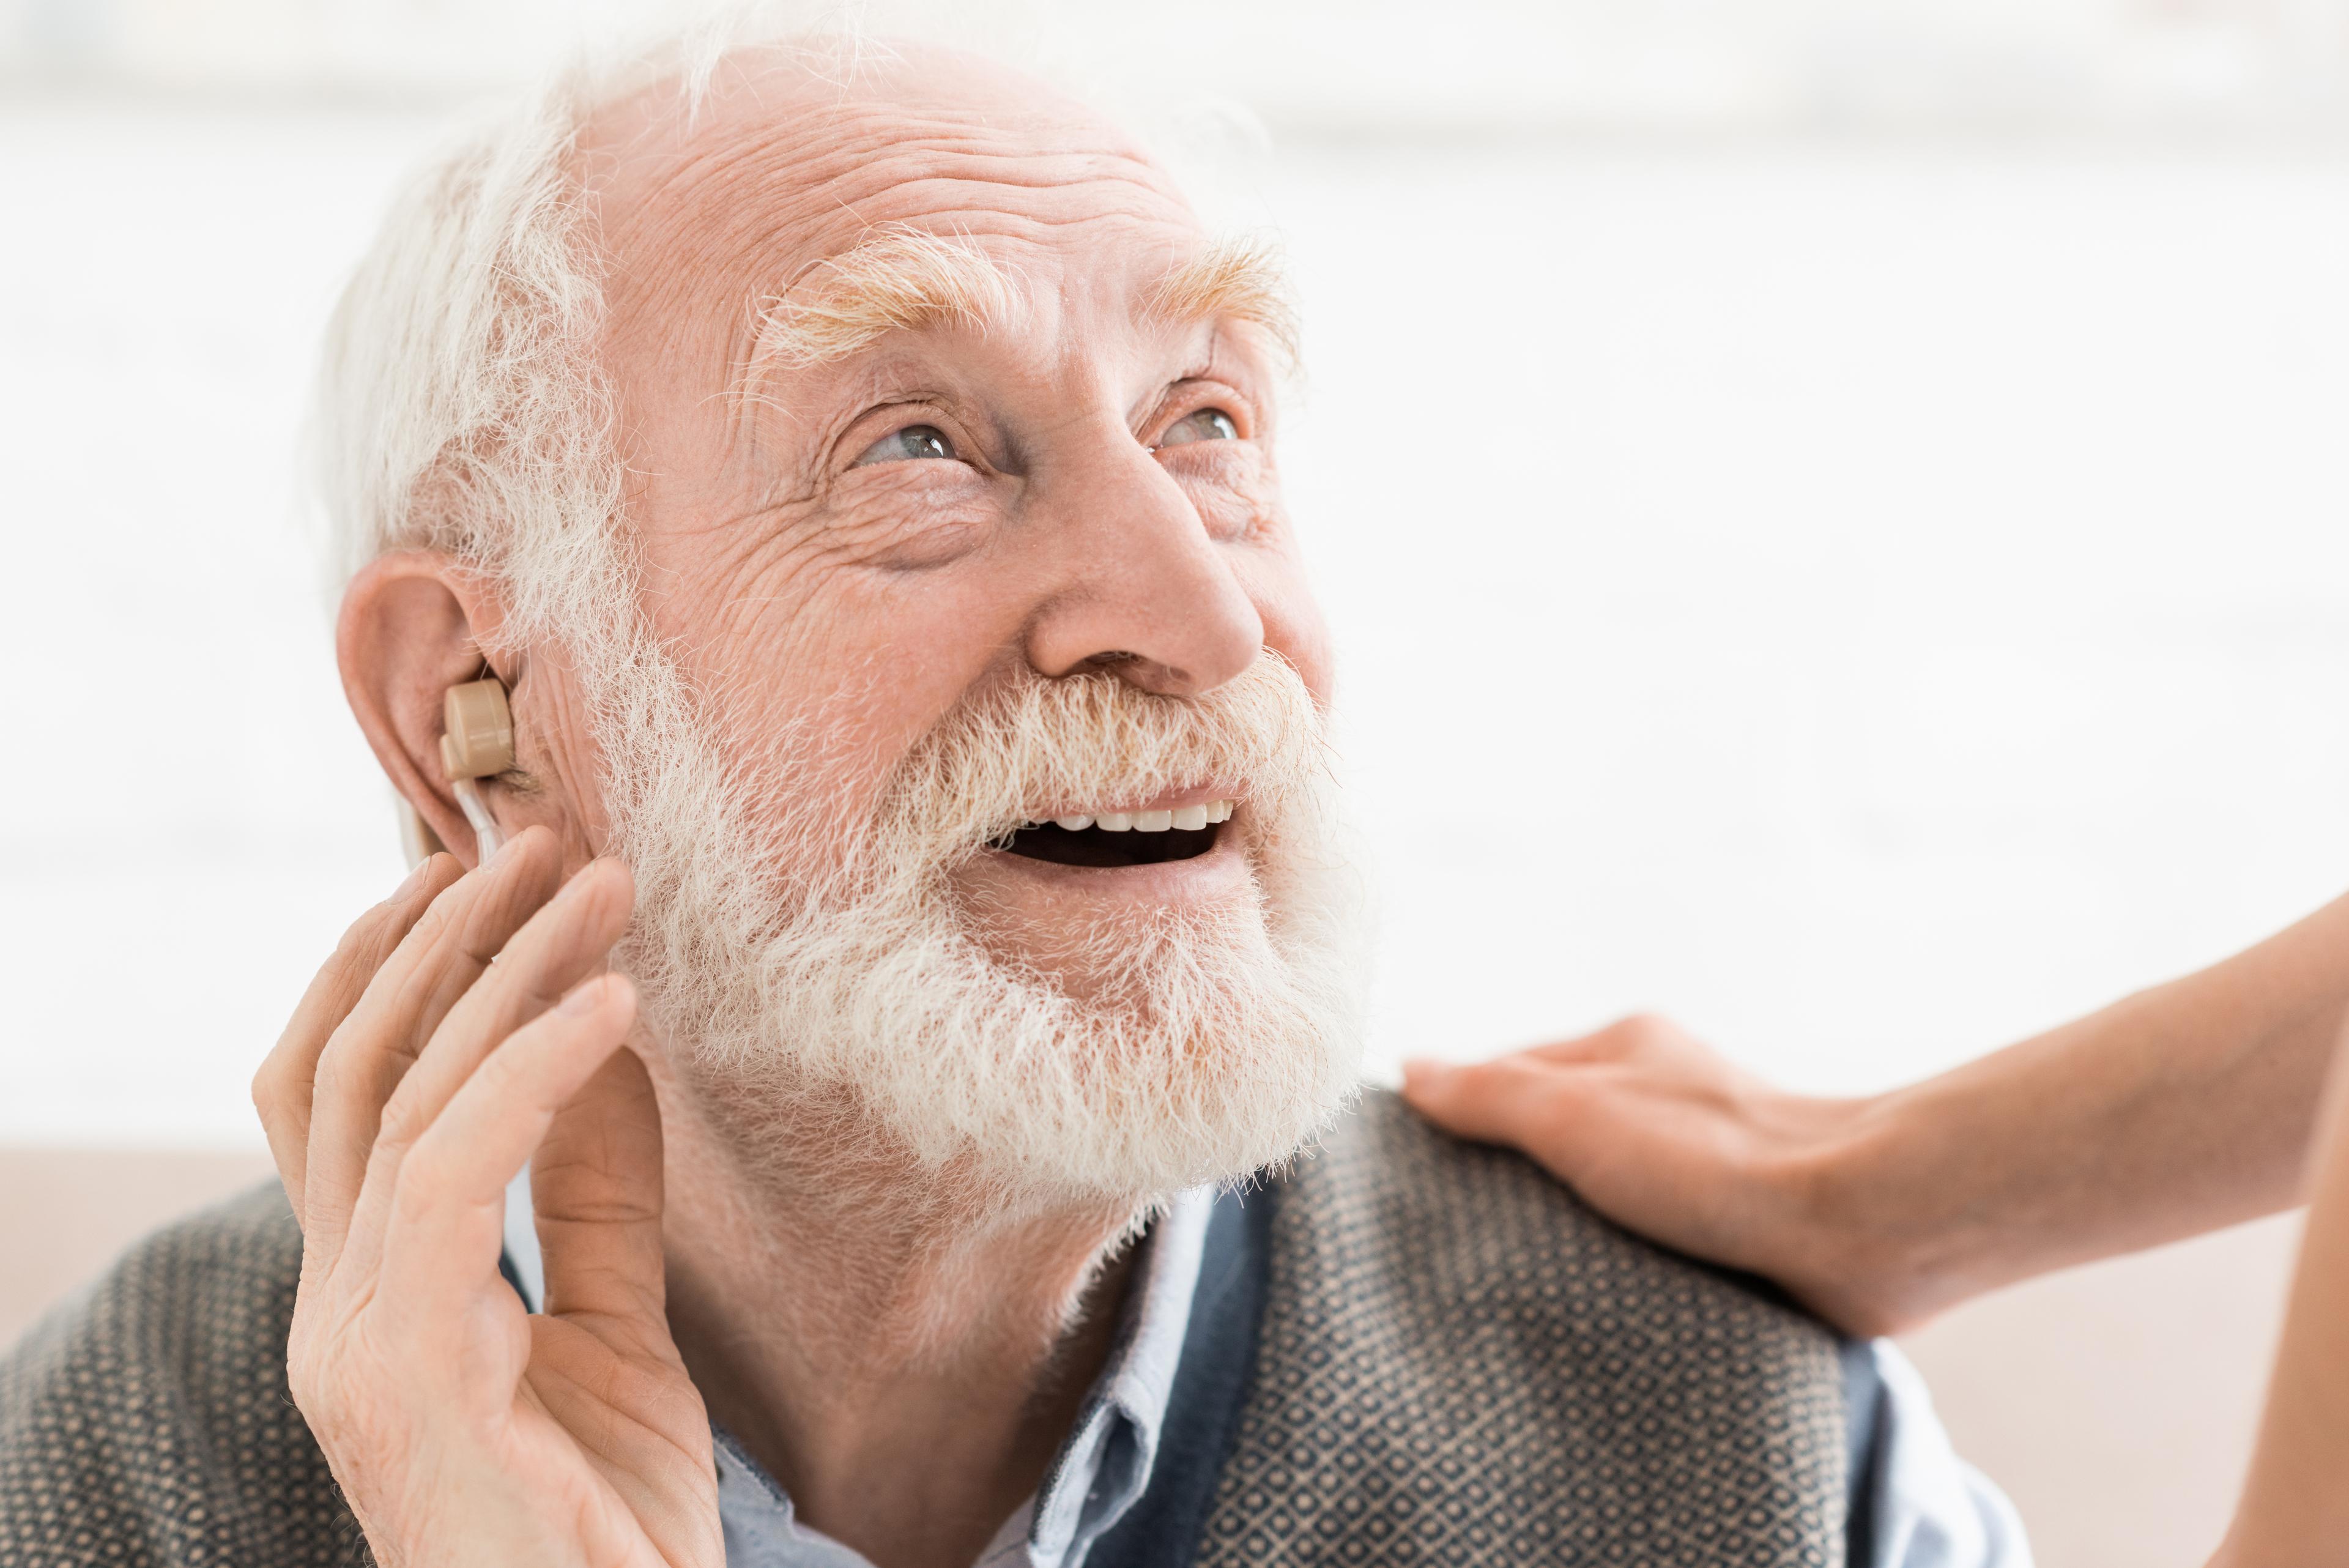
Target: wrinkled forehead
{"type": "Point", "coordinates": [786, 166]}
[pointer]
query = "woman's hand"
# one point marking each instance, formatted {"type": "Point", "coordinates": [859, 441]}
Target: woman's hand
{"type": "Point", "coordinates": [1663, 1136]}
{"type": "Point", "coordinates": [2174, 1111]}
{"type": "Point", "coordinates": [462, 1029]}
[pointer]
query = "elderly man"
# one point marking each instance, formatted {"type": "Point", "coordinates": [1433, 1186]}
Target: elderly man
{"type": "Point", "coordinates": [850, 472]}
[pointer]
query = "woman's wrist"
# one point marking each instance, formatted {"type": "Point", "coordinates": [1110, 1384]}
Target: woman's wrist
{"type": "Point", "coordinates": [1886, 1230]}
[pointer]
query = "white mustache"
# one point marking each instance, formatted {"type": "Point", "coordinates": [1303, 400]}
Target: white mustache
{"type": "Point", "coordinates": [1024, 751]}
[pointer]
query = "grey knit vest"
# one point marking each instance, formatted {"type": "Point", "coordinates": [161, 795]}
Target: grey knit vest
{"type": "Point", "coordinates": [1456, 1363]}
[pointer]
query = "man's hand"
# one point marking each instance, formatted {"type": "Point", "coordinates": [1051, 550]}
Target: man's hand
{"type": "Point", "coordinates": [413, 1083]}
{"type": "Point", "coordinates": [1662, 1135]}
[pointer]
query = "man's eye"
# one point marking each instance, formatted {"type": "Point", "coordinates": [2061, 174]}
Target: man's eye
{"type": "Point", "coordinates": [1207, 424]}
{"type": "Point", "coordinates": [914, 441]}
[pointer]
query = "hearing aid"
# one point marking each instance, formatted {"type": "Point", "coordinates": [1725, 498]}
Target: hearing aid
{"type": "Point", "coordinates": [477, 743]}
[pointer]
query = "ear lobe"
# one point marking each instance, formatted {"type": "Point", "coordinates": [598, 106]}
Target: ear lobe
{"type": "Point", "coordinates": [413, 625]}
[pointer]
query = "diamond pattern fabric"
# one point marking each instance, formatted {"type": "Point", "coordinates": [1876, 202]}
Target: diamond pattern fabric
{"type": "Point", "coordinates": [1460, 1363]}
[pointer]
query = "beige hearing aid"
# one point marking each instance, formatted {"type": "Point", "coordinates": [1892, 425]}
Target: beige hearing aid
{"type": "Point", "coordinates": [477, 743]}
{"type": "Point", "coordinates": [478, 731]}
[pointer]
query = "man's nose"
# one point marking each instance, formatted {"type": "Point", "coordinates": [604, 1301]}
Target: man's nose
{"type": "Point", "coordinates": [1141, 588]}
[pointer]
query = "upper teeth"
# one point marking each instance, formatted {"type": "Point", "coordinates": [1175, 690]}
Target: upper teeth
{"type": "Point", "coordinates": [1190, 818]}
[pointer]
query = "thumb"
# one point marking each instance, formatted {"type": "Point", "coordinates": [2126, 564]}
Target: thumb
{"type": "Point", "coordinates": [597, 1186]}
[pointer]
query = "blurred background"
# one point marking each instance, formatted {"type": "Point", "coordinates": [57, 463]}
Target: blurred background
{"type": "Point", "coordinates": [1833, 512]}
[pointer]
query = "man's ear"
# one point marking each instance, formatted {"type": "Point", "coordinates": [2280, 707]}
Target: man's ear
{"type": "Point", "coordinates": [413, 624]}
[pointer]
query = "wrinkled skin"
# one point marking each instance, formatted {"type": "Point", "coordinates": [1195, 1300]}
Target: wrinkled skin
{"type": "Point", "coordinates": [1067, 532]}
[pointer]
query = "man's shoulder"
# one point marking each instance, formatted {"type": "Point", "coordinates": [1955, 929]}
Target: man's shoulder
{"type": "Point", "coordinates": [1483, 1227]}
{"type": "Point", "coordinates": [210, 1294]}
{"type": "Point", "coordinates": [147, 1420]}
{"type": "Point", "coordinates": [1455, 1348]}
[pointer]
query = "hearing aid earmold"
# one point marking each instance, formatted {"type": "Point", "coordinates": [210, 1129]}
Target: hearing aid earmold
{"type": "Point", "coordinates": [477, 743]}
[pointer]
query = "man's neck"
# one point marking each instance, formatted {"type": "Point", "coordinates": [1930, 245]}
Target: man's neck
{"type": "Point", "coordinates": [905, 1355]}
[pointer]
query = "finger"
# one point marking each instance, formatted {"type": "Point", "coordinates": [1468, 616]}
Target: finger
{"type": "Point", "coordinates": [446, 1216]}
{"type": "Point", "coordinates": [562, 943]}
{"type": "Point", "coordinates": [370, 1053]}
{"type": "Point", "coordinates": [596, 1183]}
{"type": "Point", "coordinates": [1608, 1045]}
{"type": "Point", "coordinates": [1630, 1038]}
{"type": "Point", "coordinates": [1513, 1100]}
{"type": "Point", "coordinates": [283, 1087]}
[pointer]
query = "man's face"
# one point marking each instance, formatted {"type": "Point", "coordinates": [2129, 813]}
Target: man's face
{"type": "Point", "coordinates": [1072, 474]}
{"type": "Point", "coordinates": [950, 436]}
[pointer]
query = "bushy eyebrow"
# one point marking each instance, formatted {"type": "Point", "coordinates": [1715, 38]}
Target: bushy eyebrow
{"type": "Point", "coordinates": [1239, 279]}
{"type": "Point", "coordinates": [901, 278]}
{"type": "Point", "coordinates": [896, 278]}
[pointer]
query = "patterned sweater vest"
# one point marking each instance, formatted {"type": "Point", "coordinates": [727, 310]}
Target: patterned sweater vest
{"type": "Point", "coordinates": [1459, 1363]}
{"type": "Point", "coordinates": [1456, 1363]}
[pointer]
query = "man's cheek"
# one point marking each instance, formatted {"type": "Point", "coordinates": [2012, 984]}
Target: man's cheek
{"type": "Point", "coordinates": [1233, 504]}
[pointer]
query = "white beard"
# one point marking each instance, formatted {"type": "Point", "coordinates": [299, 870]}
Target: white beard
{"type": "Point", "coordinates": [1198, 1046]}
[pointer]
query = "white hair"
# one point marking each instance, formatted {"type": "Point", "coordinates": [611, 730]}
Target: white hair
{"type": "Point", "coordinates": [460, 404]}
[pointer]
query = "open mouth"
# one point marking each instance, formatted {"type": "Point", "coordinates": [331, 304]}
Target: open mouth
{"type": "Point", "coordinates": [1123, 837]}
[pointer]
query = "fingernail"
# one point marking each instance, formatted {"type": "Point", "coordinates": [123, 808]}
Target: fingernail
{"type": "Point", "coordinates": [585, 997]}
{"type": "Point", "coordinates": [413, 880]}
{"type": "Point", "coordinates": [1419, 1070]}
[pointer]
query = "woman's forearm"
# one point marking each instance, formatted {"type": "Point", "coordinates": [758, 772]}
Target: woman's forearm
{"type": "Point", "coordinates": [2294, 1509]}
{"type": "Point", "coordinates": [2180, 1110]}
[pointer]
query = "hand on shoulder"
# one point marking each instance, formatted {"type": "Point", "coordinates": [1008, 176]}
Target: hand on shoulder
{"type": "Point", "coordinates": [1663, 1135]}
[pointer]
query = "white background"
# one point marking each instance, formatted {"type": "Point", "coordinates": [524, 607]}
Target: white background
{"type": "Point", "coordinates": [1834, 519]}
